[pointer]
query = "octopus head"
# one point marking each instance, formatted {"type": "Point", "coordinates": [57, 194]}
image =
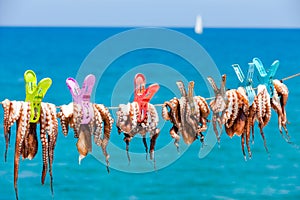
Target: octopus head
{"type": "Point", "coordinates": [82, 150]}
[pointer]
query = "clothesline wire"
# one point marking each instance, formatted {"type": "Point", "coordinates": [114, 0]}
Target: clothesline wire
{"type": "Point", "coordinates": [290, 77]}
{"type": "Point", "coordinates": [208, 98]}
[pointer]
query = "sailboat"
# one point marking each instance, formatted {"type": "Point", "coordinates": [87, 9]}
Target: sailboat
{"type": "Point", "coordinates": [199, 25]}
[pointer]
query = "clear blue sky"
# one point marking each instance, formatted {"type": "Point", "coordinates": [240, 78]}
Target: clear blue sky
{"type": "Point", "coordinates": [166, 13]}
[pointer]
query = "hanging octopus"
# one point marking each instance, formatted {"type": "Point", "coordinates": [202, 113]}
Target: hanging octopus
{"type": "Point", "coordinates": [236, 117]}
{"type": "Point", "coordinates": [260, 111]}
{"type": "Point", "coordinates": [278, 103]}
{"type": "Point", "coordinates": [71, 115]}
{"type": "Point", "coordinates": [139, 116]}
{"type": "Point", "coordinates": [127, 122]}
{"type": "Point", "coordinates": [234, 106]}
{"type": "Point", "coordinates": [186, 114]}
{"type": "Point", "coordinates": [26, 135]}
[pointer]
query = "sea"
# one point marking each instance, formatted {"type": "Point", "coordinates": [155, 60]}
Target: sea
{"type": "Point", "coordinates": [164, 55]}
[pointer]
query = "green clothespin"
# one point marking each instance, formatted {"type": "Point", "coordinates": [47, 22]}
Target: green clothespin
{"type": "Point", "coordinates": [35, 93]}
{"type": "Point", "coordinates": [266, 77]}
{"type": "Point", "coordinates": [246, 83]}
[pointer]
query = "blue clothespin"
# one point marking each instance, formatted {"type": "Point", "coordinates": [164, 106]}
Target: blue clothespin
{"type": "Point", "coordinates": [246, 83]}
{"type": "Point", "coordinates": [266, 77]}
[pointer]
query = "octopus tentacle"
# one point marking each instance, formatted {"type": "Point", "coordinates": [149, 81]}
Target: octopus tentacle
{"type": "Point", "coordinates": [77, 117]}
{"type": "Point", "coordinates": [134, 108]}
{"type": "Point", "coordinates": [263, 105]}
{"type": "Point", "coordinates": [282, 90]}
{"type": "Point", "coordinates": [203, 106]}
{"type": "Point", "coordinates": [6, 104]}
{"type": "Point", "coordinates": [30, 143]}
{"type": "Point", "coordinates": [44, 141]}
{"type": "Point", "coordinates": [243, 120]}
{"type": "Point", "coordinates": [203, 112]}
{"type": "Point", "coordinates": [66, 117]}
{"type": "Point", "coordinates": [247, 134]}
{"type": "Point", "coordinates": [243, 100]}
{"type": "Point", "coordinates": [250, 122]}
{"type": "Point", "coordinates": [145, 145]}
{"type": "Point", "coordinates": [183, 112]}
{"type": "Point", "coordinates": [214, 120]}
{"type": "Point", "coordinates": [107, 119]}
{"type": "Point", "coordinates": [263, 110]}
{"type": "Point", "coordinates": [154, 136]}
{"type": "Point", "coordinates": [175, 112]}
{"type": "Point", "coordinates": [243, 147]}
{"type": "Point", "coordinates": [267, 107]}
{"type": "Point", "coordinates": [23, 127]}
{"type": "Point", "coordinates": [98, 124]}
{"type": "Point", "coordinates": [232, 108]}
{"type": "Point", "coordinates": [154, 131]}
{"type": "Point", "coordinates": [244, 106]}
{"type": "Point", "coordinates": [52, 131]}
{"type": "Point", "coordinates": [279, 103]}
{"type": "Point", "coordinates": [174, 134]}
{"type": "Point", "coordinates": [165, 112]}
{"type": "Point", "coordinates": [92, 124]}
{"type": "Point", "coordinates": [152, 124]}
{"type": "Point", "coordinates": [174, 116]}
{"type": "Point", "coordinates": [108, 122]}
{"type": "Point", "coordinates": [14, 114]}
{"type": "Point", "coordinates": [275, 103]}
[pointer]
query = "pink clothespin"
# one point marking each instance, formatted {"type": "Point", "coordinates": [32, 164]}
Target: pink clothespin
{"type": "Point", "coordinates": [83, 96]}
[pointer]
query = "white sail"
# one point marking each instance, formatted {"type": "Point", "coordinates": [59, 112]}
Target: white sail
{"type": "Point", "coordinates": [198, 25]}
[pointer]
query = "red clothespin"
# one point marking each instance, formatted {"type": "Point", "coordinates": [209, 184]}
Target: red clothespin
{"type": "Point", "coordinates": [143, 95]}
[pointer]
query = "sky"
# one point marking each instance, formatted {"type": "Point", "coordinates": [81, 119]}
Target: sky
{"type": "Point", "coordinates": [140, 13]}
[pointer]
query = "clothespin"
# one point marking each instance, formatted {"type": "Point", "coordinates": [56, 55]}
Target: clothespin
{"type": "Point", "coordinates": [218, 91]}
{"type": "Point", "coordinates": [83, 96]}
{"type": "Point", "coordinates": [189, 95]}
{"type": "Point", "coordinates": [143, 95]}
{"type": "Point", "coordinates": [266, 77]}
{"type": "Point", "coordinates": [35, 93]}
{"type": "Point", "coordinates": [248, 82]}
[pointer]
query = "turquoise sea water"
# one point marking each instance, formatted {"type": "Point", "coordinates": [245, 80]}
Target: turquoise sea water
{"type": "Point", "coordinates": [223, 174]}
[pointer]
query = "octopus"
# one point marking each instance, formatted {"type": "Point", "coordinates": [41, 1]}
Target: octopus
{"type": "Point", "coordinates": [236, 117]}
{"type": "Point", "coordinates": [26, 144]}
{"type": "Point", "coordinates": [234, 108]}
{"type": "Point", "coordinates": [71, 115]}
{"type": "Point", "coordinates": [186, 114]}
{"type": "Point", "coordinates": [128, 123]}
{"type": "Point", "coordinates": [260, 111]}
{"type": "Point", "coordinates": [278, 103]}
